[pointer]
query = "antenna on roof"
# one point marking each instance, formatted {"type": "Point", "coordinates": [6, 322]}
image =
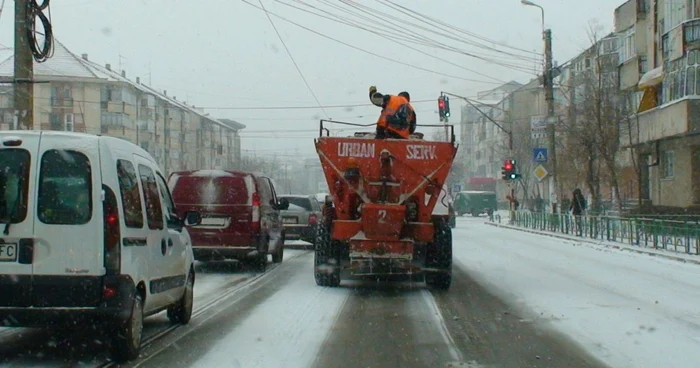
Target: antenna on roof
{"type": "Point", "coordinates": [120, 61]}
{"type": "Point", "coordinates": [149, 73]}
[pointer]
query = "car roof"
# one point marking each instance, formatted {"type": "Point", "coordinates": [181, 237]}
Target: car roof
{"type": "Point", "coordinates": [111, 142]}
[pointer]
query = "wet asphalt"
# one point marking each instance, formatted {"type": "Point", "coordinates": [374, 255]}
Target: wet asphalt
{"type": "Point", "coordinates": [284, 319]}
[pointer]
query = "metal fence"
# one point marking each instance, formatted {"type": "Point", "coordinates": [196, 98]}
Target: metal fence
{"type": "Point", "coordinates": [678, 235]}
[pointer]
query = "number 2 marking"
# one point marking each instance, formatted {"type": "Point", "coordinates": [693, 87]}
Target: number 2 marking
{"type": "Point", "coordinates": [382, 216]}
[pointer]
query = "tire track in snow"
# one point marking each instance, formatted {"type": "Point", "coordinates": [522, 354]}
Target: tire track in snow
{"type": "Point", "coordinates": [283, 322]}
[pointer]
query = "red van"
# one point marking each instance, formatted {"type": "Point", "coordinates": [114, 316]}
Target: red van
{"type": "Point", "coordinates": [240, 214]}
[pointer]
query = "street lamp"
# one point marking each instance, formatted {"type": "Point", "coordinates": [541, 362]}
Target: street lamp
{"type": "Point", "coordinates": [530, 3]}
{"type": "Point", "coordinates": [549, 97]}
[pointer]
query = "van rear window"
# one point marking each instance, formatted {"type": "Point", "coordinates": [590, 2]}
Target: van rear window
{"type": "Point", "coordinates": [14, 172]}
{"type": "Point", "coordinates": [210, 190]}
{"type": "Point", "coordinates": [65, 188]}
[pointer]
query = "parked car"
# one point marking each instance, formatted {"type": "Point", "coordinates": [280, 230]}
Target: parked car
{"type": "Point", "coordinates": [240, 215]}
{"type": "Point", "coordinates": [301, 218]}
{"type": "Point", "coordinates": [90, 235]}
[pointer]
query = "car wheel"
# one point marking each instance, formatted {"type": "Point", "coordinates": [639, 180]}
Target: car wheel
{"type": "Point", "coordinates": [279, 254]}
{"type": "Point", "coordinates": [126, 343]}
{"type": "Point", "coordinates": [182, 311]}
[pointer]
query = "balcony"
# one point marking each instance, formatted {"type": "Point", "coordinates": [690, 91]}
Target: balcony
{"type": "Point", "coordinates": [676, 119]}
{"type": "Point", "coordinates": [61, 102]}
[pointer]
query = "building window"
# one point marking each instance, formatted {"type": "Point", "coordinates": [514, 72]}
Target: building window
{"type": "Point", "coordinates": [69, 124]}
{"type": "Point", "coordinates": [626, 42]}
{"type": "Point", "coordinates": [682, 78]}
{"type": "Point", "coordinates": [643, 65]}
{"type": "Point", "coordinates": [676, 13]}
{"type": "Point", "coordinates": [55, 121]}
{"type": "Point", "coordinates": [669, 162]}
{"type": "Point", "coordinates": [112, 119]}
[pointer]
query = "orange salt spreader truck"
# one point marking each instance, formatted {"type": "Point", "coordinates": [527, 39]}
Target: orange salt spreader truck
{"type": "Point", "coordinates": [379, 217]}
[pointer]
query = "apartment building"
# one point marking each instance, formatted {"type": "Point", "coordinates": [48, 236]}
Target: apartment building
{"type": "Point", "coordinates": [659, 61]}
{"type": "Point", "coordinates": [481, 141]}
{"type": "Point", "coordinates": [84, 96]}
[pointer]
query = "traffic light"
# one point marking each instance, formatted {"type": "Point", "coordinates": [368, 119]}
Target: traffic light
{"type": "Point", "coordinates": [441, 108]}
{"type": "Point", "coordinates": [446, 100]}
{"type": "Point", "coordinates": [509, 170]}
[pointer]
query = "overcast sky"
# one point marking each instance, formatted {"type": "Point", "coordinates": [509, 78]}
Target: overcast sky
{"type": "Point", "coordinates": [225, 55]}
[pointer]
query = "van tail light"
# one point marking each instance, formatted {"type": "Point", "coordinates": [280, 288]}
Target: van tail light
{"type": "Point", "coordinates": [313, 220]}
{"type": "Point", "coordinates": [112, 232]}
{"type": "Point", "coordinates": [255, 213]}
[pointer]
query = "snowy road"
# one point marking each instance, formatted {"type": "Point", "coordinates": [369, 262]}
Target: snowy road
{"type": "Point", "coordinates": [517, 300]}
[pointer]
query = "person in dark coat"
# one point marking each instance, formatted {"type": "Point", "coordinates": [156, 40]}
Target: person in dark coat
{"type": "Point", "coordinates": [578, 205]}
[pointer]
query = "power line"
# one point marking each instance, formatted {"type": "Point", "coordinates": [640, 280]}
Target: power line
{"type": "Point", "coordinates": [292, 58]}
{"type": "Point", "coordinates": [348, 23]}
{"type": "Point", "coordinates": [365, 51]}
{"type": "Point", "coordinates": [373, 12]}
{"type": "Point", "coordinates": [309, 107]}
{"type": "Point", "coordinates": [426, 41]}
{"type": "Point", "coordinates": [454, 28]}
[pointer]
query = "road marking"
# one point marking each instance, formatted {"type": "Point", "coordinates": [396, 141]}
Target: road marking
{"type": "Point", "coordinates": [430, 301]}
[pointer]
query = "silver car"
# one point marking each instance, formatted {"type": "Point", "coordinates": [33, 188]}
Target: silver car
{"type": "Point", "coordinates": [301, 219]}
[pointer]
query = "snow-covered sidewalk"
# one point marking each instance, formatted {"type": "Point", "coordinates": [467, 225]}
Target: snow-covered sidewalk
{"type": "Point", "coordinates": [629, 309]}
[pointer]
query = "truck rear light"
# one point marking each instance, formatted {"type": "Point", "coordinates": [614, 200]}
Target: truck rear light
{"type": "Point", "coordinates": [255, 213]}
{"type": "Point", "coordinates": [112, 232]}
{"type": "Point", "coordinates": [108, 292]}
{"type": "Point", "coordinates": [313, 220]}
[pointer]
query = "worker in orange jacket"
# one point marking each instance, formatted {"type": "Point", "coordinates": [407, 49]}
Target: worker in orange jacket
{"type": "Point", "coordinates": [398, 119]}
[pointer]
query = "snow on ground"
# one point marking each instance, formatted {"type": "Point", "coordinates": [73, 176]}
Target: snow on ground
{"type": "Point", "coordinates": [280, 333]}
{"type": "Point", "coordinates": [631, 310]}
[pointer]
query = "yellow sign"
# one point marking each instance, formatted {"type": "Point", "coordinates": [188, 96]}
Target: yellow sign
{"type": "Point", "coordinates": [540, 172]}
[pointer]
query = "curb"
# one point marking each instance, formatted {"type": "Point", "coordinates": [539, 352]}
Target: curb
{"type": "Point", "coordinates": [583, 240]}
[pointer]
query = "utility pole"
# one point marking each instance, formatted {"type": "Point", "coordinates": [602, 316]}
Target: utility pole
{"type": "Point", "coordinates": [551, 117]}
{"type": "Point", "coordinates": [24, 70]}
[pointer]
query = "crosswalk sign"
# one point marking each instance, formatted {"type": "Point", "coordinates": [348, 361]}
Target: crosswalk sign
{"type": "Point", "coordinates": [539, 155]}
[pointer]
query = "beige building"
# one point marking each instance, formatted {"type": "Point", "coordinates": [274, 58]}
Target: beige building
{"type": "Point", "coordinates": [659, 50]}
{"type": "Point", "coordinates": [83, 96]}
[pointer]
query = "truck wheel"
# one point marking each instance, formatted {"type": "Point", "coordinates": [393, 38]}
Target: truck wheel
{"type": "Point", "coordinates": [326, 259]}
{"type": "Point", "coordinates": [439, 255]}
{"type": "Point", "coordinates": [126, 343]}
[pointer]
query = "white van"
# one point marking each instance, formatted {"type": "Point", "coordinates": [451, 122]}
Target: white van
{"type": "Point", "coordinates": [88, 233]}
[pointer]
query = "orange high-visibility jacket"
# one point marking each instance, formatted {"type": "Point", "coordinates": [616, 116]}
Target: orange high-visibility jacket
{"type": "Point", "coordinates": [397, 116]}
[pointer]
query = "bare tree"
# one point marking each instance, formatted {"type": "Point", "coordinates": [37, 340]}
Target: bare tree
{"type": "Point", "coordinates": [592, 132]}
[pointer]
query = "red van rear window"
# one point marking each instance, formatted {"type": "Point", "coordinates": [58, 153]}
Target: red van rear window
{"type": "Point", "coordinates": [210, 190]}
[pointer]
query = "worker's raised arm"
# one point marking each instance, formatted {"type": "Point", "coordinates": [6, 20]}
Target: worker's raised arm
{"type": "Point", "coordinates": [375, 97]}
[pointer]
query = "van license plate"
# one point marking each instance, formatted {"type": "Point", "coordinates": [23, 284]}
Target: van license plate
{"type": "Point", "coordinates": [289, 220]}
{"type": "Point", "coordinates": [8, 252]}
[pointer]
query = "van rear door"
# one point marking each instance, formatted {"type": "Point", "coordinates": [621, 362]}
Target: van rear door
{"type": "Point", "coordinates": [18, 161]}
{"type": "Point", "coordinates": [225, 201]}
{"type": "Point", "coordinates": [69, 227]}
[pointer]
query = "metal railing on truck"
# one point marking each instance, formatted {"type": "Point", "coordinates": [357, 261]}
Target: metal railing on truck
{"type": "Point", "coordinates": [323, 129]}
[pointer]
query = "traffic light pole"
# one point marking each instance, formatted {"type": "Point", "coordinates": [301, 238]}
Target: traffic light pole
{"type": "Point", "coordinates": [551, 117]}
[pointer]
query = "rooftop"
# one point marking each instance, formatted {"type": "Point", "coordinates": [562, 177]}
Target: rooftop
{"type": "Point", "coordinates": [66, 65]}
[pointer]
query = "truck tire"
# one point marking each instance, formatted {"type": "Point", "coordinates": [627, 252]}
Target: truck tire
{"type": "Point", "coordinates": [439, 255]}
{"type": "Point", "coordinates": [326, 259]}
